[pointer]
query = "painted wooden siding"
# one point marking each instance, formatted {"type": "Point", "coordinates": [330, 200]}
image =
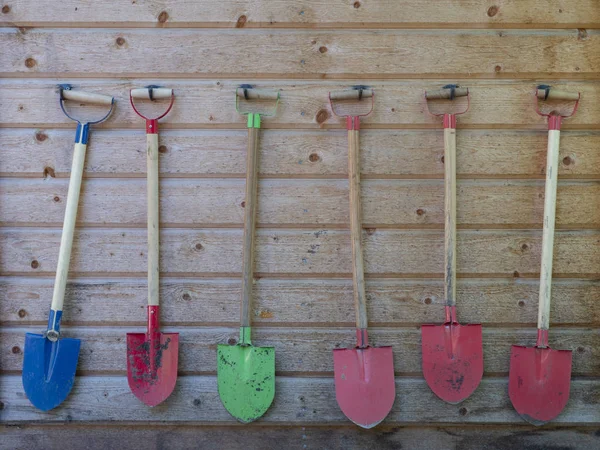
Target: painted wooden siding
{"type": "Point", "coordinates": [303, 298]}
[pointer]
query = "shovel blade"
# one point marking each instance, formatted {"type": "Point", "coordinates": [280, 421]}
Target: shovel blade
{"type": "Point", "coordinates": [365, 388]}
{"type": "Point", "coordinates": [49, 369]}
{"type": "Point", "coordinates": [452, 359]}
{"type": "Point", "coordinates": [152, 360]}
{"type": "Point", "coordinates": [539, 382]}
{"type": "Point", "coordinates": [246, 380]}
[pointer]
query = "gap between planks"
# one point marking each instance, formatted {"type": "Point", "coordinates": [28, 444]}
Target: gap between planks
{"type": "Point", "coordinates": [321, 26]}
{"type": "Point", "coordinates": [514, 76]}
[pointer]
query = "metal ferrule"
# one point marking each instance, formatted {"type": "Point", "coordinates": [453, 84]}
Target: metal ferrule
{"type": "Point", "coordinates": [451, 315]}
{"type": "Point", "coordinates": [542, 339]}
{"type": "Point", "coordinates": [449, 120]}
{"type": "Point", "coordinates": [151, 126]}
{"type": "Point", "coordinates": [253, 120]}
{"type": "Point", "coordinates": [82, 133]}
{"type": "Point", "coordinates": [153, 318]}
{"type": "Point", "coordinates": [554, 122]}
{"type": "Point", "coordinates": [53, 331]}
{"type": "Point", "coordinates": [353, 123]}
{"type": "Point", "coordinates": [245, 336]}
{"type": "Point", "coordinates": [362, 338]}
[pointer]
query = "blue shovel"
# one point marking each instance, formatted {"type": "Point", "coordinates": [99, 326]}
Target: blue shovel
{"type": "Point", "coordinates": [50, 361]}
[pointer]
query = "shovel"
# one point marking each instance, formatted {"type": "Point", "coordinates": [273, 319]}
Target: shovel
{"type": "Point", "coordinates": [452, 353]}
{"type": "Point", "coordinates": [49, 360]}
{"type": "Point", "coordinates": [540, 378]}
{"type": "Point", "coordinates": [245, 373]}
{"type": "Point", "coordinates": [152, 356]}
{"type": "Point", "coordinates": [365, 388]}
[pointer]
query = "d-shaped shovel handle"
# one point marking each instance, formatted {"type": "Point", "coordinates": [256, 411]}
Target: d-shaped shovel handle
{"type": "Point", "coordinates": [152, 93]}
{"type": "Point", "coordinates": [75, 179]}
{"type": "Point", "coordinates": [546, 92]}
{"type": "Point", "coordinates": [449, 92]}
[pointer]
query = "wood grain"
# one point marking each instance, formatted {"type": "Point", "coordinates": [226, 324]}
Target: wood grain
{"type": "Point", "coordinates": [299, 400]}
{"type": "Point", "coordinates": [272, 437]}
{"type": "Point", "coordinates": [285, 252]}
{"type": "Point", "coordinates": [299, 350]}
{"type": "Point", "coordinates": [289, 302]}
{"type": "Point", "coordinates": [304, 104]}
{"type": "Point", "coordinates": [313, 14]}
{"type": "Point", "coordinates": [301, 54]}
{"type": "Point", "coordinates": [294, 154]}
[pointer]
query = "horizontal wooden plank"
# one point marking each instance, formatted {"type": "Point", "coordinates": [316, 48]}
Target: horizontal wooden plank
{"type": "Point", "coordinates": [286, 153]}
{"type": "Point", "coordinates": [298, 350]}
{"type": "Point", "coordinates": [300, 53]}
{"type": "Point", "coordinates": [277, 302]}
{"type": "Point", "coordinates": [281, 252]}
{"type": "Point", "coordinates": [269, 437]}
{"type": "Point", "coordinates": [304, 104]}
{"type": "Point", "coordinates": [298, 400]}
{"type": "Point", "coordinates": [219, 202]}
{"type": "Point", "coordinates": [313, 14]}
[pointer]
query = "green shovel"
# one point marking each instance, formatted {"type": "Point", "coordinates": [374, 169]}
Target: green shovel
{"type": "Point", "coordinates": [245, 373]}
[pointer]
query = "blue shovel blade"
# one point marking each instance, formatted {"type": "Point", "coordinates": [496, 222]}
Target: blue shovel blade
{"type": "Point", "coordinates": [49, 369]}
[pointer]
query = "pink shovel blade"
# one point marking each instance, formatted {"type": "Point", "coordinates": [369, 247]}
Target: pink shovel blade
{"type": "Point", "coordinates": [539, 382]}
{"type": "Point", "coordinates": [152, 365]}
{"type": "Point", "coordinates": [365, 387]}
{"type": "Point", "coordinates": [452, 359]}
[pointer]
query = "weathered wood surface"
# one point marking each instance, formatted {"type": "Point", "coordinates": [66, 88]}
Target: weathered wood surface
{"type": "Point", "coordinates": [298, 400]}
{"type": "Point", "coordinates": [298, 252]}
{"type": "Point", "coordinates": [300, 154]}
{"type": "Point", "coordinates": [305, 351]}
{"type": "Point", "coordinates": [304, 104]}
{"type": "Point", "coordinates": [307, 14]}
{"type": "Point", "coordinates": [295, 203]}
{"type": "Point", "coordinates": [298, 54]}
{"type": "Point", "coordinates": [304, 302]}
{"type": "Point", "coordinates": [270, 437]}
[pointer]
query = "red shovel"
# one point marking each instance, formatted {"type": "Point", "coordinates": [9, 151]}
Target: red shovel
{"type": "Point", "coordinates": [540, 378]}
{"type": "Point", "coordinates": [152, 356]}
{"type": "Point", "coordinates": [365, 387]}
{"type": "Point", "coordinates": [452, 353]}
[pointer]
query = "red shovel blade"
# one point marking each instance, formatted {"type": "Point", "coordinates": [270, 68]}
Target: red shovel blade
{"type": "Point", "coordinates": [365, 387]}
{"type": "Point", "coordinates": [452, 359]}
{"type": "Point", "coordinates": [152, 361]}
{"type": "Point", "coordinates": [539, 382]}
{"type": "Point", "coordinates": [152, 365]}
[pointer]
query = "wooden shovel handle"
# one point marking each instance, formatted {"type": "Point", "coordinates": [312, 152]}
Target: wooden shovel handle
{"type": "Point", "coordinates": [353, 94]}
{"type": "Point", "coordinates": [548, 232]}
{"type": "Point", "coordinates": [446, 93]}
{"type": "Point", "coordinates": [358, 275]}
{"type": "Point", "coordinates": [557, 95]}
{"type": "Point", "coordinates": [157, 93]}
{"type": "Point", "coordinates": [450, 215]}
{"type": "Point", "coordinates": [66, 240]}
{"type": "Point", "coordinates": [256, 94]}
{"type": "Point", "coordinates": [86, 97]}
{"type": "Point", "coordinates": [249, 225]}
{"type": "Point", "coordinates": [153, 220]}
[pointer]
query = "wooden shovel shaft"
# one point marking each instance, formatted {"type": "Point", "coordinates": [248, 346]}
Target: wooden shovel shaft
{"type": "Point", "coordinates": [66, 240]}
{"type": "Point", "coordinates": [153, 220]}
{"type": "Point", "coordinates": [249, 225]}
{"type": "Point", "coordinates": [358, 276]}
{"type": "Point", "coordinates": [450, 215]}
{"type": "Point", "coordinates": [548, 233]}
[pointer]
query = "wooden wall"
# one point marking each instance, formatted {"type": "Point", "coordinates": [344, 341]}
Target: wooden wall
{"type": "Point", "coordinates": [303, 301]}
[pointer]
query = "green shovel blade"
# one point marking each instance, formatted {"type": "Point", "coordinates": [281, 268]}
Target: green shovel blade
{"type": "Point", "coordinates": [246, 380]}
